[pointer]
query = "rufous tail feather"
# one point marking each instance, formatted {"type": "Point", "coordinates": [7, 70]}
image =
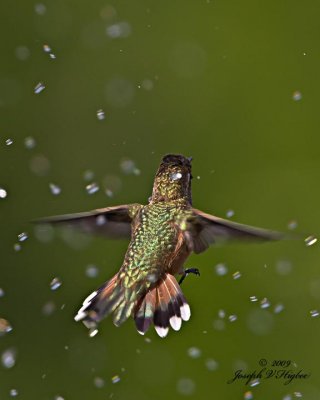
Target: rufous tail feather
{"type": "Point", "coordinates": [163, 304]}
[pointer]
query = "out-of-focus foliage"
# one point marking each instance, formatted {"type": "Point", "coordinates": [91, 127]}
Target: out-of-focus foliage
{"type": "Point", "coordinates": [92, 94]}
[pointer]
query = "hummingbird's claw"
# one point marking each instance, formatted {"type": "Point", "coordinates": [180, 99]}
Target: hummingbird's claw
{"type": "Point", "coordinates": [188, 271]}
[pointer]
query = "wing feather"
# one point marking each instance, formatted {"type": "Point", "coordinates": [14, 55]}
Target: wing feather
{"type": "Point", "coordinates": [111, 222]}
{"type": "Point", "coordinates": [205, 229]}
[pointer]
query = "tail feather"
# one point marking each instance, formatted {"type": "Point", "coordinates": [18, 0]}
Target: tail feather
{"type": "Point", "coordinates": [161, 314]}
{"type": "Point", "coordinates": [184, 306]}
{"type": "Point", "coordinates": [145, 310]}
{"type": "Point", "coordinates": [100, 303]}
{"type": "Point", "coordinates": [122, 311]}
{"type": "Point", "coordinates": [165, 305]}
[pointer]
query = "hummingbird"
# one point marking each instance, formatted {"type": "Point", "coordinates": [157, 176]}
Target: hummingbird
{"type": "Point", "coordinates": [163, 233]}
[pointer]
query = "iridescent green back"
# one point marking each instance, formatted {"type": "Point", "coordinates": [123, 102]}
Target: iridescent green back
{"type": "Point", "coordinates": [154, 239]}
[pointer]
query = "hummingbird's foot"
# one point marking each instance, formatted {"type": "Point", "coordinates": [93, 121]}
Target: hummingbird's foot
{"type": "Point", "coordinates": [188, 271]}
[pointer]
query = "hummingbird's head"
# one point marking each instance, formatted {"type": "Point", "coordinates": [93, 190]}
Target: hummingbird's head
{"type": "Point", "coordinates": [173, 179]}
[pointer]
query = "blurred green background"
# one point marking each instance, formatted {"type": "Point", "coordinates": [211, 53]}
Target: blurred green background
{"type": "Point", "coordinates": [235, 85]}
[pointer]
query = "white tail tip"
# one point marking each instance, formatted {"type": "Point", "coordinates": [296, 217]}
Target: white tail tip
{"type": "Point", "coordinates": [162, 332]}
{"type": "Point", "coordinates": [185, 312]}
{"type": "Point", "coordinates": [175, 322]}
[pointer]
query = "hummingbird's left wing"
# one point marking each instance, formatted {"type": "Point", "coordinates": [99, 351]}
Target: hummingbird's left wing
{"type": "Point", "coordinates": [203, 229]}
{"type": "Point", "coordinates": [112, 222]}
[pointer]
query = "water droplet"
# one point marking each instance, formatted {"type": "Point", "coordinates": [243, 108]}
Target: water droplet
{"type": "Point", "coordinates": [219, 324]}
{"type": "Point", "coordinates": [194, 352]}
{"type": "Point", "coordinates": [186, 386]}
{"type": "Point", "coordinates": [119, 92]}
{"type": "Point", "coordinates": [136, 171]}
{"type": "Point", "coordinates": [176, 176]}
{"type": "Point", "coordinates": [46, 48]}
{"type": "Point", "coordinates": [22, 237]}
{"type": "Point", "coordinates": [128, 166]}
{"type": "Point", "coordinates": [314, 313]}
{"type": "Point", "coordinates": [22, 53]}
{"type": "Point", "coordinates": [310, 240]}
{"type": "Point", "coordinates": [147, 84]}
{"type": "Point", "coordinates": [211, 364]}
{"type": "Point", "coordinates": [92, 271]}
{"type": "Point", "coordinates": [232, 317]}
{"type": "Point", "coordinates": [40, 165]}
{"type": "Point", "coordinates": [221, 314]}
{"type": "Point", "coordinates": [9, 142]}
{"type": "Point", "coordinates": [278, 308]}
{"type": "Point", "coordinates": [265, 303]}
{"type": "Point", "coordinates": [112, 183]}
{"type": "Point", "coordinates": [297, 95]}
{"type": "Point", "coordinates": [88, 175]}
{"type": "Point", "coordinates": [2, 293]}
{"type": "Point", "coordinates": [152, 277]}
{"type": "Point", "coordinates": [287, 397]}
{"type": "Point", "coordinates": [92, 188]}
{"type": "Point", "coordinates": [101, 115]}
{"type": "Point", "coordinates": [13, 392]}
{"type": "Point", "coordinates": [48, 308]}
{"type": "Point", "coordinates": [55, 284]}
{"type": "Point", "coordinates": [93, 332]}
{"type": "Point", "coordinates": [8, 358]}
{"type": "Point", "coordinates": [40, 9]}
{"type": "Point", "coordinates": [29, 142]}
{"type": "Point", "coordinates": [260, 322]}
{"type": "Point", "coordinates": [17, 247]}
{"type": "Point", "coordinates": [109, 192]}
{"type": "Point", "coordinates": [236, 275]}
{"type": "Point", "coordinates": [297, 394]}
{"type": "Point", "coordinates": [39, 88]}
{"type": "Point", "coordinates": [119, 30]}
{"type": "Point", "coordinates": [5, 326]}
{"type": "Point", "coordinates": [253, 299]}
{"type": "Point", "coordinates": [52, 56]}
{"type": "Point", "coordinates": [239, 364]}
{"type": "Point", "coordinates": [147, 340]}
{"type": "Point", "coordinates": [248, 395]}
{"type": "Point", "coordinates": [99, 382]}
{"type": "Point", "coordinates": [55, 189]}
{"type": "Point", "coordinates": [283, 267]}
{"type": "Point", "coordinates": [115, 379]}
{"type": "Point", "coordinates": [254, 382]}
{"type": "Point", "coordinates": [101, 220]}
{"type": "Point", "coordinates": [292, 225]}
{"type": "Point", "coordinates": [58, 397]}
{"type": "Point", "coordinates": [221, 269]}
{"type": "Point", "coordinates": [3, 193]}
{"type": "Point", "coordinates": [44, 232]}
{"type": "Point", "coordinates": [230, 213]}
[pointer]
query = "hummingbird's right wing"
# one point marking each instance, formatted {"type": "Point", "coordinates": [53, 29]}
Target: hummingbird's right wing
{"type": "Point", "coordinates": [112, 222]}
{"type": "Point", "coordinates": [203, 229]}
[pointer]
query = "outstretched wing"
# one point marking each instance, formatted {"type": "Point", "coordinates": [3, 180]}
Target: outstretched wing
{"type": "Point", "coordinates": [111, 222]}
{"type": "Point", "coordinates": [203, 229]}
